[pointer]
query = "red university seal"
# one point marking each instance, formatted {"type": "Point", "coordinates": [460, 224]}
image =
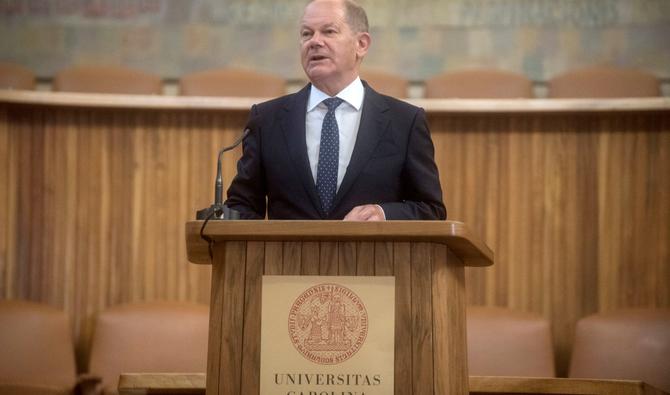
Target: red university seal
{"type": "Point", "coordinates": [328, 324]}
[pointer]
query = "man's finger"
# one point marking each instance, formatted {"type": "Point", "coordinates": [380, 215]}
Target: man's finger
{"type": "Point", "coordinates": [354, 214]}
{"type": "Point", "coordinates": [368, 212]}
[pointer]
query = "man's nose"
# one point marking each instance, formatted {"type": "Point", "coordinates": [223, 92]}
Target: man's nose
{"type": "Point", "coordinates": [316, 40]}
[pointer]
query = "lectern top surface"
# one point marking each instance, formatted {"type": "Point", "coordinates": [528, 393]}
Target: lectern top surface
{"type": "Point", "coordinates": [455, 235]}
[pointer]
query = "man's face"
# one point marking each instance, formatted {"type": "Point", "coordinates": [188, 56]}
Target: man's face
{"type": "Point", "coordinates": [330, 50]}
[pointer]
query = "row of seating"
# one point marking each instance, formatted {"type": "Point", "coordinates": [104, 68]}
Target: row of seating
{"type": "Point", "coordinates": [632, 344]}
{"type": "Point", "coordinates": [38, 356]}
{"type": "Point", "coordinates": [592, 82]}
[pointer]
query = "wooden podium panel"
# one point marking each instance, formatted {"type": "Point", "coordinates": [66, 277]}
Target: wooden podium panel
{"type": "Point", "coordinates": [426, 258]}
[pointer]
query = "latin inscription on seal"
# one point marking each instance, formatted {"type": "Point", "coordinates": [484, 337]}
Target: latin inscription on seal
{"type": "Point", "coordinates": [328, 324]}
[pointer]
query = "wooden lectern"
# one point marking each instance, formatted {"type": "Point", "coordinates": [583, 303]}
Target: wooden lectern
{"type": "Point", "coordinates": [427, 259]}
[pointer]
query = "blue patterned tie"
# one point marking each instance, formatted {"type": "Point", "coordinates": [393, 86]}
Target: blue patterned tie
{"type": "Point", "coordinates": [329, 153]}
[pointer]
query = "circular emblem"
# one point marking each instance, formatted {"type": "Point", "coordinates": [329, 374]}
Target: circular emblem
{"type": "Point", "coordinates": [328, 324]}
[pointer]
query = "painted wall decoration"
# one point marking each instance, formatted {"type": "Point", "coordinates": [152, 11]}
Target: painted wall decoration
{"type": "Point", "coordinates": [416, 39]}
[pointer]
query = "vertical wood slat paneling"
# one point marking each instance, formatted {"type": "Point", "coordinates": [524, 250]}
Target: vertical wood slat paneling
{"type": "Point", "coordinates": [274, 257]}
{"type": "Point", "coordinates": [402, 261]}
{"type": "Point", "coordinates": [660, 245]}
{"type": "Point", "coordinates": [292, 258]}
{"type": "Point", "coordinates": [7, 209]}
{"type": "Point", "coordinates": [365, 258]}
{"type": "Point", "coordinates": [347, 258]}
{"type": "Point", "coordinates": [572, 202]}
{"type": "Point", "coordinates": [310, 258]}
{"type": "Point", "coordinates": [328, 259]}
{"type": "Point", "coordinates": [252, 319]}
{"type": "Point", "coordinates": [384, 258]}
{"type": "Point", "coordinates": [232, 319]}
{"type": "Point", "coordinates": [215, 338]}
{"type": "Point", "coordinates": [449, 339]}
{"type": "Point", "coordinates": [99, 220]}
{"type": "Point", "coordinates": [26, 246]}
{"type": "Point", "coordinates": [563, 199]}
{"type": "Point", "coordinates": [421, 318]}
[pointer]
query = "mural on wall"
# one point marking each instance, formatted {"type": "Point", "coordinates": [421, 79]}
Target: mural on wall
{"type": "Point", "coordinates": [416, 39]}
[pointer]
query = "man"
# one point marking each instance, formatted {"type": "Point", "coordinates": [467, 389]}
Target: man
{"type": "Point", "coordinates": [337, 149]}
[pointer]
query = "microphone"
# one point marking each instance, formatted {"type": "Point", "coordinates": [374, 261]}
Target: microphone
{"type": "Point", "coordinates": [218, 210]}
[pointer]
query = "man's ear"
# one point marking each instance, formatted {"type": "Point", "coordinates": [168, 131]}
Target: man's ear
{"type": "Point", "coordinates": [363, 41]}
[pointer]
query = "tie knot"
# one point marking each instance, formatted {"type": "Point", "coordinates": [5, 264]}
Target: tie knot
{"type": "Point", "coordinates": [332, 103]}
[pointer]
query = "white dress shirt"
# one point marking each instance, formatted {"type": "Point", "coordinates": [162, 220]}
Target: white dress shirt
{"type": "Point", "coordinates": [348, 116]}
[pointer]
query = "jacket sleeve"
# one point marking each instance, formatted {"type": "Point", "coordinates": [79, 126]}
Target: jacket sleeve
{"type": "Point", "coordinates": [247, 191]}
{"type": "Point", "coordinates": [422, 193]}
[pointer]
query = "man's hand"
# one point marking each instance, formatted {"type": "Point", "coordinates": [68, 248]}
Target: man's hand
{"type": "Point", "coordinates": [368, 212]}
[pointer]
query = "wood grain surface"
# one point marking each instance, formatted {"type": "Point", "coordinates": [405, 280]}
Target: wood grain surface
{"type": "Point", "coordinates": [573, 197]}
{"type": "Point", "coordinates": [484, 385]}
{"type": "Point", "coordinates": [430, 315]}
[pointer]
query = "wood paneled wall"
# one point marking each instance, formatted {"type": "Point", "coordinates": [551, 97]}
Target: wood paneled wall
{"type": "Point", "coordinates": [576, 206]}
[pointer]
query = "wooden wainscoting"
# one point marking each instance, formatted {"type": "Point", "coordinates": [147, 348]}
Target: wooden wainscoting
{"type": "Point", "coordinates": [572, 195]}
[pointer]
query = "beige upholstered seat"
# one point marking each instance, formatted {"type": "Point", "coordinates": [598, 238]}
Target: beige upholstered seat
{"type": "Point", "coordinates": [386, 83]}
{"type": "Point", "coordinates": [107, 79]}
{"type": "Point", "coordinates": [149, 338]}
{"type": "Point", "coordinates": [604, 82]}
{"type": "Point", "coordinates": [479, 84]}
{"type": "Point", "coordinates": [627, 344]}
{"type": "Point", "coordinates": [36, 350]}
{"type": "Point", "coordinates": [503, 342]}
{"type": "Point", "coordinates": [14, 76]}
{"type": "Point", "coordinates": [232, 82]}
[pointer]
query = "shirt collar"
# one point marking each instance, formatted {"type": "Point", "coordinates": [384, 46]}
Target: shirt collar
{"type": "Point", "coordinates": [352, 94]}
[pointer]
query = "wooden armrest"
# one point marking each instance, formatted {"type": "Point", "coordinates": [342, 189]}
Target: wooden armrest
{"type": "Point", "coordinates": [7, 388]}
{"type": "Point", "coordinates": [537, 385]}
{"type": "Point", "coordinates": [162, 383]}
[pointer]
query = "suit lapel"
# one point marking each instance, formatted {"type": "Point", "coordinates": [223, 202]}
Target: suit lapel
{"type": "Point", "coordinates": [293, 126]}
{"type": "Point", "coordinates": [374, 122]}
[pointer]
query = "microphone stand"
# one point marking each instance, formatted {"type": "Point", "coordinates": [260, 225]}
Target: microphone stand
{"type": "Point", "coordinates": [218, 210]}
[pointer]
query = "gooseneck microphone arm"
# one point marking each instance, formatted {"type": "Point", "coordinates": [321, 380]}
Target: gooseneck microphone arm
{"type": "Point", "coordinates": [218, 210]}
{"type": "Point", "coordinates": [218, 185]}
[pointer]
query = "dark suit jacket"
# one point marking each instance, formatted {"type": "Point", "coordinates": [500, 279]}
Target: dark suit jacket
{"type": "Point", "coordinates": [392, 163]}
